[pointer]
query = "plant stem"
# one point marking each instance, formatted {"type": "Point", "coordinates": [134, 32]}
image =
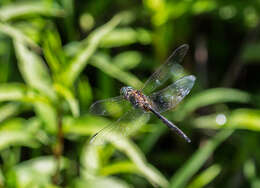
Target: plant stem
{"type": "Point", "coordinates": [58, 149]}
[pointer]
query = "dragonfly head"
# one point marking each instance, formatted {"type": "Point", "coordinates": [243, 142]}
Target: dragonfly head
{"type": "Point", "coordinates": [125, 91]}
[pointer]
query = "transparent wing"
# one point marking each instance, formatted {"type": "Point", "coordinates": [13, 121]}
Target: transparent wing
{"type": "Point", "coordinates": [124, 126]}
{"type": "Point", "coordinates": [109, 106]}
{"type": "Point", "coordinates": [170, 96]}
{"type": "Point", "coordinates": [165, 71]}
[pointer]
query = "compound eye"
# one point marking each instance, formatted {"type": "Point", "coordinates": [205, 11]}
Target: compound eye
{"type": "Point", "coordinates": [129, 89]}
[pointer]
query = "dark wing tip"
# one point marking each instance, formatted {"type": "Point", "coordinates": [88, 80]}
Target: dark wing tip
{"type": "Point", "coordinates": [185, 46]}
{"type": "Point", "coordinates": [179, 53]}
{"type": "Point", "coordinates": [182, 49]}
{"type": "Point", "coordinates": [92, 109]}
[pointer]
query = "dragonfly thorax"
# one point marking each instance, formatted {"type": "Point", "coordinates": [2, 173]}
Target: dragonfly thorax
{"type": "Point", "coordinates": [136, 98]}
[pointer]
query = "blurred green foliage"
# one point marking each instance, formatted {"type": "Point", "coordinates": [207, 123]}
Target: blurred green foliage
{"type": "Point", "coordinates": [59, 56]}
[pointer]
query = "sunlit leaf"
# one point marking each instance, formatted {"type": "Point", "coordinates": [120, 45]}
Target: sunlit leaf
{"type": "Point", "coordinates": [203, 6]}
{"type": "Point", "coordinates": [136, 156]}
{"type": "Point", "coordinates": [205, 177]}
{"type": "Point", "coordinates": [245, 119]}
{"type": "Point", "coordinates": [18, 35]}
{"type": "Point", "coordinates": [68, 95]}
{"type": "Point", "coordinates": [127, 60]}
{"type": "Point", "coordinates": [48, 114]}
{"type": "Point", "coordinates": [53, 51]}
{"type": "Point", "coordinates": [212, 96]}
{"type": "Point", "coordinates": [37, 171]}
{"type": "Point", "coordinates": [9, 110]}
{"type": "Point", "coordinates": [16, 138]}
{"type": "Point", "coordinates": [13, 133]}
{"type": "Point", "coordinates": [90, 126]}
{"type": "Point", "coordinates": [85, 125]}
{"type": "Point", "coordinates": [184, 174]}
{"type": "Point", "coordinates": [12, 92]}
{"type": "Point", "coordinates": [29, 8]}
{"type": "Point", "coordinates": [84, 93]}
{"type": "Point", "coordinates": [34, 71]}
{"type": "Point", "coordinates": [125, 36]}
{"type": "Point", "coordinates": [237, 119]}
{"type": "Point", "coordinates": [119, 167]}
{"type": "Point", "coordinates": [100, 182]}
{"type": "Point", "coordinates": [102, 62]}
{"type": "Point", "coordinates": [78, 63]}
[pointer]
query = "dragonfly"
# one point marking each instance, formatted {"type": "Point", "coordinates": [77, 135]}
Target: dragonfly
{"type": "Point", "coordinates": [142, 103]}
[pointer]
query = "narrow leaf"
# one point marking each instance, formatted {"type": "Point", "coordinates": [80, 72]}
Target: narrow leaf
{"type": "Point", "coordinates": [78, 63]}
{"type": "Point", "coordinates": [205, 177]}
{"type": "Point", "coordinates": [68, 95]}
{"type": "Point", "coordinates": [34, 71]}
{"type": "Point", "coordinates": [12, 92]}
{"type": "Point", "coordinates": [18, 35]}
{"type": "Point", "coordinates": [237, 119]}
{"type": "Point", "coordinates": [9, 110]}
{"type": "Point", "coordinates": [127, 60]}
{"type": "Point", "coordinates": [102, 62]}
{"type": "Point", "coordinates": [211, 96]}
{"type": "Point", "coordinates": [17, 10]}
{"type": "Point", "coordinates": [184, 174]}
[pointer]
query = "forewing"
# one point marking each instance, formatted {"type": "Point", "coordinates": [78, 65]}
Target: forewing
{"type": "Point", "coordinates": [170, 96]}
{"type": "Point", "coordinates": [170, 68]}
{"type": "Point", "coordinates": [108, 107]}
{"type": "Point", "coordinates": [124, 126]}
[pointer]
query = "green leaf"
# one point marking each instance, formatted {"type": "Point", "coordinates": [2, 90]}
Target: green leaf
{"type": "Point", "coordinates": [125, 36]}
{"type": "Point", "coordinates": [34, 71]}
{"type": "Point", "coordinates": [18, 35]}
{"type": "Point", "coordinates": [249, 169]}
{"type": "Point", "coordinates": [102, 62]}
{"type": "Point", "coordinates": [238, 119]}
{"type": "Point", "coordinates": [127, 60]}
{"type": "Point", "coordinates": [48, 114]}
{"type": "Point", "coordinates": [36, 172]}
{"type": "Point", "coordinates": [12, 92]}
{"type": "Point", "coordinates": [90, 159]}
{"type": "Point", "coordinates": [16, 138]}
{"type": "Point", "coordinates": [78, 63]}
{"type": "Point", "coordinates": [68, 95]}
{"type": "Point", "coordinates": [12, 133]}
{"type": "Point", "coordinates": [245, 119]}
{"type": "Point", "coordinates": [2, 178]}
{"type": "Point", "coordinates": [100, 182]}
{"type": "Point", "coordinates": [84, 93]}
{"type": "Point", "coordinates": [137, 157]}
{"type": "Point", "coordinates": [209, 97]}
{"type": "Point", "coordinates": [119, 167]}
{"type": "Point", "coordinates": [21, 9]}
{"type": "Point", "coordinates": [205, 177]}
{"type": "Point", "coordinates": [53, 52]}
{"type": "Point", "coordinates": [203, 6]}
{"type": "Point", "coordinates": [119, 37]}
{"type": "Point", "coordinates": [9, 110]}
{"type": "Point", "coordinates": [184, 174]}
{"type": "Point", "coordinates": [85, 125]}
